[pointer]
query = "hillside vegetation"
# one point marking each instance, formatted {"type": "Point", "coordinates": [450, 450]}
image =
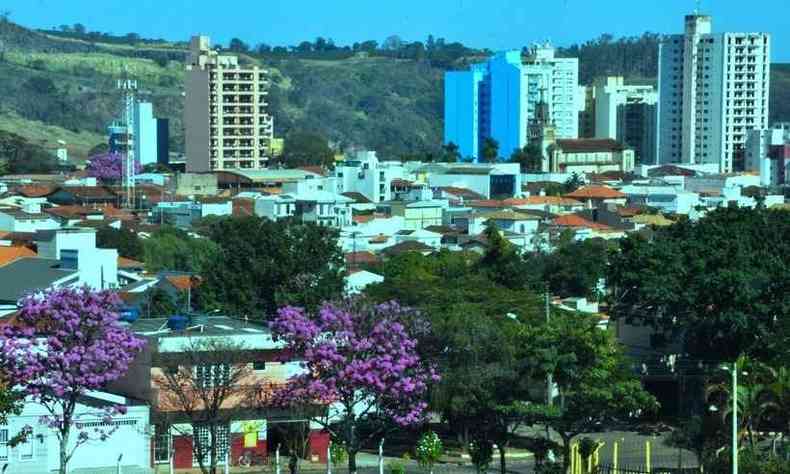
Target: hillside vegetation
{"type": "Point", "coordinates": [389, 97]}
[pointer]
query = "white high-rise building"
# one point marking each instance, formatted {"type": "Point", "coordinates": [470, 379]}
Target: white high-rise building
{"type": "Point", "coordinates": [627, 113]}
{"type": "Point", "coordinates": [713, 89]}
{"type": "Point", "coordinates": [145, 137]}
{"type": "Point", "coordinates": [555, 81]}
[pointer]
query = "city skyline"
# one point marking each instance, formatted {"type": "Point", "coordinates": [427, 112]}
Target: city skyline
{"type": "Point", "coordinates": [508, 24]}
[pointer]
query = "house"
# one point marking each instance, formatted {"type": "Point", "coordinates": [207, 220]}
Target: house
{"type": "Point", "coordinates": [588, 155]}
{"type": "Point", "coordinates": [11, 253]}
{"type": "Point", "coordinates": [184, 214]}
{"type": "Point", "coordinates": [71, 215]}
{"type": "Point", "coordinates": [454, 193]}
{"type": "Point", "coordinates": [416, 214]}
{"type": "Point", "coordinates": [357, 280]}
{"type": "Point", "coordinates": [129, 443]}
{"type": "Point", "coordinates": [364, 257]}
{"type": "Point", "coordinates": [83, 196]}
{"type": "Point", "coordinates": [172, 431]}
{"type": "Point", "coordinates": [507, 220]}
{"type": "Point", "coordinates": [598, 196]}
{"type": "Point", "coordinates": [667, 198]}
{"type": "Point", "coordinates": [407, 246]}
{"type": "Point", "coordinates": [489, 180]}
{"type": "Point", "coordinates": [66, 257]}
{"type": "Point", "coordinates": [431, 239]}
{"type": "Point", "coordinates": [364, 173]}
{"type": "Point", "coordinates": [541, 202]}
{"type": "Point", "coordinates": [26, 219]}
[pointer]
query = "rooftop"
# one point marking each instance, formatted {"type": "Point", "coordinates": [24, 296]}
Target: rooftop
{"type": "Point", "coordinates": [29, 274]}
{"type": "Point", "coordinates": [572, 220]}
{"type": "Point", "coordinates": [205, 325]}
{"type": "Point", "coordinates": [595, 192]}
{"type": "Point", "coordinates": [9, 254]}
{"type": "Point", "coordinates": [590, 145]}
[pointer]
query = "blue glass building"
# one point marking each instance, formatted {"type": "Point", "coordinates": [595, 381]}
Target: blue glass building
{"type": "Point", "coordinates": [486, 101]}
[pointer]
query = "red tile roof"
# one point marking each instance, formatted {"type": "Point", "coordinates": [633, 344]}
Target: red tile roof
{"type": "Point", "coordinates": [361, 257]}
{"type": "Point", "coordinates": [124, 262]}
{"type": "Point", "coordinates": [35, 190]}
{"type": "Point", "coordinates": [486, 203]}
{"type": "Point", "coordinates": [595, 192]}
{"type": "Point", "coordinates": [183, 282]}
{"type": "Point", "coordinates": [243, 207]}
{"type": "Point", "coordinates": [72, 212]}
{"type": "Point", "coordinates": [363, 218]}
{"type": "Point", "coordinates": [543, 200]}
{"type": "Point", "coordinates": [572, 220]}
{"type": "Point", "coordinates": [9, 254]}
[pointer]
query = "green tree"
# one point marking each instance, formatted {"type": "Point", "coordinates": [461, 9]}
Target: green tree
{"type": "Point", "coordinates": [124, 240]}
{"type": "Point", "coordinates": [716, 284]}
{"type": "Point", "coordinates": [575, 268]}
{"type": "Point", "coordinates": [490, 150]}
{"type": "Point", "coordinates": [238, 46]}
{"type": "Point", "coordinates": [594, 380]}
{"type": "Point", "coordinates": [573, 183]}
{"type": "Point", "coordinates": [530, 157]}
{"type": "Point", "coordinates": [502, 261]}
{"type": "Point", "coordinates": [450, 153]}
{"type": "Point", "coordinates": [263, 265]}
{"type": "Point", "coordinates": [170, 248]}
{"type": "Point", "coordinates": [306, 148]}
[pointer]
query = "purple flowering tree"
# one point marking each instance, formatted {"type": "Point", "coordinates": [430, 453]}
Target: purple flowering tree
{"type": "Point", "coordinates": [362, 360]}
{"type": "Point", "coordinates": [66, 342]}
{"type": "Point", "coordinates": [109, 166]}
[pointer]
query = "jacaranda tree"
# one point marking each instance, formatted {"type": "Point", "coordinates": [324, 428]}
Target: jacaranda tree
{"type": "Point", "coordinates": [66, 342]}
{"type": "Point", "coordinates": [109, 166]}
{"type": "Point", "coordinates": [363, 359]}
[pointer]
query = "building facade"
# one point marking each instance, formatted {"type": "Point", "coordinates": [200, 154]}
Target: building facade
{"type": "Point", "coordinates": [628, 114]}
{"type": "Point", "coordinates": [498, 98]}
{"type": "Point", "coordinates": [768, 153]}
{"type": "Point", "coordinates": [226, 116]}
{"type": "Point", "coordinates": [713, 89]}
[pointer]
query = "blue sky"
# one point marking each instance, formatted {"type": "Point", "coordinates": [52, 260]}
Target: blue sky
{"type": "Point", "coordinates": [496, 24]}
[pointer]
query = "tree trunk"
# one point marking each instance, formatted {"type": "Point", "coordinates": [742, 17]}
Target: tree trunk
{"type": "Point", "coordinates": [64, 446]}
{"type": "Point", "coordinates": [352, 461]}
{"type": "Point", "coordinates": [502, 461]}
{"type": "Point", "coordinates": [293, 463]}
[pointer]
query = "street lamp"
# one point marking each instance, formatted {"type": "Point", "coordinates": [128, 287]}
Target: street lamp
{"type": "Point", "coordinates": [734, 371]}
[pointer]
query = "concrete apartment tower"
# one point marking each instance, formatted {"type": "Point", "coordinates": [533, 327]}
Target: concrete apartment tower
{"type": "Point", "coordinates": [225, 113]}
{"type": "Point", "coordinates": [627, 114]}
{"type": "Point", "coordinates": [499, 98]}
{"type": "Point", "coordinates": [713, 89]}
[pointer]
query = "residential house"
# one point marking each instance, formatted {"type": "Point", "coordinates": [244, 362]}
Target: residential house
{"type": "Point", "coordinates": [184, 214]}
{"type": "Point", "coordinates": [83, 196]}
{"type": "Point", "coordinates": [407, 246]}
{"type": "Point", "coordinates": [598, 196]}
{"type": "Point", "coordinates": [416, 214]}
{"type": "Point", "coordinates": [26, 219]}
{"type": "Point", "coordinates": [431, 239]}
{"type": "Point", "coordinates": [491, 180]}
{"type": "Point", "coordinates": [541, 202]}
{"type": "Point", "coordinates": [249, 430]}
{"type": "Point", "coordinates": [128, 446]}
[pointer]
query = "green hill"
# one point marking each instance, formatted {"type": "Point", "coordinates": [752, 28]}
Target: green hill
{"type": "Point", "coordinates": [61, 85]}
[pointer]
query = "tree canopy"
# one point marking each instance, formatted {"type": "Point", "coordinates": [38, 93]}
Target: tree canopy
{"type": "Point", "coordinates": [720, 285]}
{"type": "Point", "coordinates": [262, 265]}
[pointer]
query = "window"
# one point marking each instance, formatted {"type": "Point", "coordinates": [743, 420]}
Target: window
{"type": "Point", "coordinates": [3, 444]}
{"type": "Point", "coordinates": [25, 449]}
{"type": "Point", "coordinates": [208, 376]}
{"type": "Point", "coordinates": [202, 436]}
{"type": "Point", "coordinates": [259, 365]}
{"type": "Point", "coordinates": [161, 443]}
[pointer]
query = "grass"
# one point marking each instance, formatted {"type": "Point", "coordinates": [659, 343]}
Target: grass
{"type": "Point", "coordinates": [95, 63]}
{"type": "Point", "coordinates": [47, 136]}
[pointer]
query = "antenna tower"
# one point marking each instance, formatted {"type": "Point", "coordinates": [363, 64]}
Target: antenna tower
{"type": "Point", "coordinates": [129, 89]}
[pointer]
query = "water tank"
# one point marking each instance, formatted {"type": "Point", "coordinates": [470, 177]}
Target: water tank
{"type": "Point", "coordinates": [128, 314]}
{"type": "Point", "coordinates": [177, 322]}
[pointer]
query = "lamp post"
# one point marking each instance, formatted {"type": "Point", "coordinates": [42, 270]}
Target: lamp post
{"type": "Point", "coordinates": [734, 372]}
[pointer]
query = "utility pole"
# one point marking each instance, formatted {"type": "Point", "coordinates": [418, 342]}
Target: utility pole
{"type": "Point", "coordinates": [549, 381]}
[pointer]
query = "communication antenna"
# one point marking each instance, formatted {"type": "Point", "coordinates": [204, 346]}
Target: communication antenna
{"type": "Point", "coordinates": [129, 89]}
{"type": "Point", "coordinates": [696, 6]}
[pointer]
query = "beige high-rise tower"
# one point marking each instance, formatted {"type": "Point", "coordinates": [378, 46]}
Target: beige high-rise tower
{"type": "Point", "coordinates": [226, 119]}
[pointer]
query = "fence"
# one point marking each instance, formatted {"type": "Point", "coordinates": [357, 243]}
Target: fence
{"type": "Point", "coordinates": [630, 455]}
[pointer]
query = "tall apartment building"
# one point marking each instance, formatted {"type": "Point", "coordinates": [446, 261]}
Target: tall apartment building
{"type": "Point", "coordinates": [713, 89]}
{"type": "Point", "coordinates": [499, 98]}
{"type": "Point", "coordinates": [627, 114]}
{"type": "Point", "coordinates": [144, 138]}
{"type": "Point", "coordinates": [556, 80]}
{"type": "Point", "coordinates": [225, 113]}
